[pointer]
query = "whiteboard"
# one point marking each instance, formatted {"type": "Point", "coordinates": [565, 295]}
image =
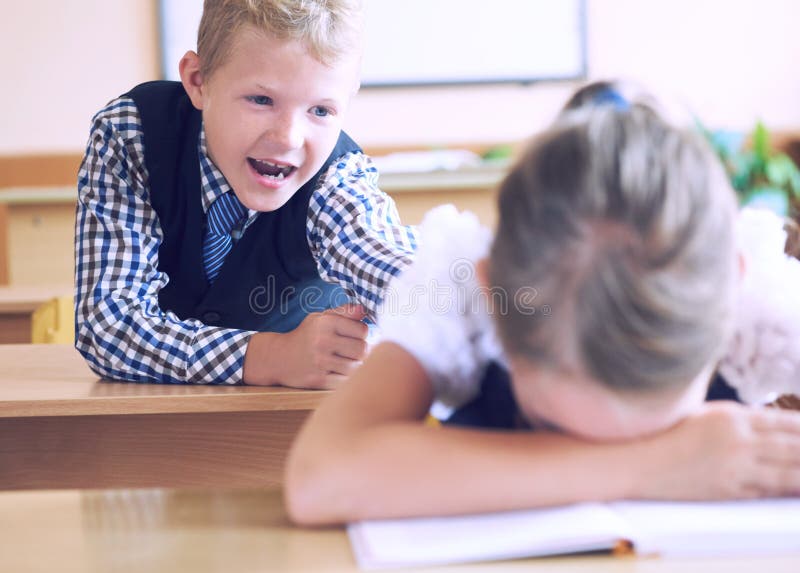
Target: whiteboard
{"type": "Point", "coordinates": [429, 42]}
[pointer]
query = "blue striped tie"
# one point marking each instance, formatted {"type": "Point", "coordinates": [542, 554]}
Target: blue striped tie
{"type": "Point", "coordinates": [225, 213]}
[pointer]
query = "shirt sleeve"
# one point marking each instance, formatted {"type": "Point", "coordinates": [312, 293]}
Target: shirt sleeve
{"type": "Point", "coordinates": [763, 356]}
{"type": "Point", "coordinates": [354, 231]}
{"type": "Point", "coordinates": [436, 310]}
{"type": "Point", "coordinates": [119, 328]}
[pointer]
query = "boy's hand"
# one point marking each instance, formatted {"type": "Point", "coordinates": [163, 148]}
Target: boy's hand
{"type": "Point", "coordinates": [318, 354]}
{"type": "Point", "coordinates": [726, 451]}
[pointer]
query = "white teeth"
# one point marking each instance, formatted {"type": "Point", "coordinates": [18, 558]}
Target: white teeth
{"type": "Point", "coordinates": [284, 169]}
{"type": "Point", "coordinates": [270, 164]}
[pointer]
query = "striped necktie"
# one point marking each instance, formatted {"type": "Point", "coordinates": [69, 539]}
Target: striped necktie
{"type": "Point", "coordinates": [225, 214]}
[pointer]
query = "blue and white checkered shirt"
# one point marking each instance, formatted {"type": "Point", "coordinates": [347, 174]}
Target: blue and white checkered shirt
{"type": "Point", "coordinates": [353, 231]}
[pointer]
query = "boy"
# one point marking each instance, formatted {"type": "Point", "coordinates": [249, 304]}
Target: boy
{"type": "Point", "coordinates": [211, 210]}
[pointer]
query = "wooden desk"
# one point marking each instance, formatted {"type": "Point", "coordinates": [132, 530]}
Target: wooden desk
{"type": "Point", "coordinates": [62, 427]}
{"type": "Point", "coordinates": [16, 309]}
{"type": "Point", "coordinates": [174, 531]}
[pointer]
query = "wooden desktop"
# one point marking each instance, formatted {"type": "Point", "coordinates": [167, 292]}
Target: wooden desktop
{"type": "Point", "coordinates": [174, 531]}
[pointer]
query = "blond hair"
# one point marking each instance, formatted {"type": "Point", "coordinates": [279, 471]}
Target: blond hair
{"type": "Point", "coordinates": [623, 224]}
{"type": "Point", "coordinates": [328, 28]}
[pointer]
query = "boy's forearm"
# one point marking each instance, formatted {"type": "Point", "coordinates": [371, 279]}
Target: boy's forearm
{"type": "Point", "coordinates": [120, 329]}
{"type": "Point", "coordinates": [132, 345]}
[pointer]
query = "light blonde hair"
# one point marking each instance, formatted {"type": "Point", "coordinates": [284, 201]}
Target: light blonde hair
{"type": "Point", "coordinates": [623, 223]}
{"type": "Point", "coordinates": [328, 28]}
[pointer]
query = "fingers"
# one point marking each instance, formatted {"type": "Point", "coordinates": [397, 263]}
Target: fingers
{"type": "Point", "coordinates": [337, 365]}
{"type": "Point", "coordinates": [332, 345]}
{"type": "Point", "coordinates": [332, 381]}
{"type": "Point", "coordinates": [352, 311]}
{"type": "Point", "coordinates": [350, 328]}
{"type": "Point", "coordinates": [777, 452]}
{"type": "Point", "coordinates": [346, 338]}
{"type": "Point", "coordinates": [776, 481]}
{"type": "Point", "coordinates": [347, 320]}
{"type": "Point", "coordinates": [780, 449]}
{"type": "Point", "coordinates": [774, 420]}
{"type": "Point", "coordinates": [350, 348]}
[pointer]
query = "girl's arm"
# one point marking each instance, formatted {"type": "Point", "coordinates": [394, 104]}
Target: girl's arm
{"type": "Point", "coordinates": [365, 454]}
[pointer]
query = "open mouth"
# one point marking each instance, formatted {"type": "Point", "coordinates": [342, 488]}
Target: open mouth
{"type": "Point", "coordinates": [271, 170]}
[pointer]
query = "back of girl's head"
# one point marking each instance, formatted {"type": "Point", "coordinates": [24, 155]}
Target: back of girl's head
{"type": "Point", "coordinates": [624, 93]}
{"type": "Point", "coordinates": [623, 225]}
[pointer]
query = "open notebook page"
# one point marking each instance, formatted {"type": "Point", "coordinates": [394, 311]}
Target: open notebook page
{"type": "Point", "coordinates": [486, 537]}
{"type": "Point", "coordinates": [669, 529]}
{"type": "Point", "coordinates": [675, 529]}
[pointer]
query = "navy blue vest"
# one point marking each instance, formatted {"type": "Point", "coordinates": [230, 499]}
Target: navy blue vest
{"type": "Point", "coordinates": [496, 407]}
{"type": "Point", "coordinates": [269, 281]}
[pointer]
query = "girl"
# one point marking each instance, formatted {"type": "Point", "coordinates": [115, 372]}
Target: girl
{"type": "Point", "coordinates": [604, 301]}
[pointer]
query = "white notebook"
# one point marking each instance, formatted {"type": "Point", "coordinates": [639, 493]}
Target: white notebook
{"type": "Point", "coordinates": [714, 529]}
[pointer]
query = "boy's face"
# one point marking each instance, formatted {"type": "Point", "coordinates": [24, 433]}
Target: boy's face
{"type": "Point", "coordinates": [272, 114]}
{"type": "Point", "coordinates": [582, 406]}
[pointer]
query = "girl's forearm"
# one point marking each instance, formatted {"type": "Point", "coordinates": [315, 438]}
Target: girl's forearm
{"type": "Point", "coordinates": [408, 469]}
{"type": "Point", "coordinates": [366, 454]}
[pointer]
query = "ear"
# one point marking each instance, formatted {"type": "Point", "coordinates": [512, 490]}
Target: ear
{"type": "Point", "coordinates": [192, 78]}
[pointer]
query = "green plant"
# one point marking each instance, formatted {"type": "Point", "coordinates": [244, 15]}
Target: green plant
{"type": "Point", "coordinates": [760, 175]}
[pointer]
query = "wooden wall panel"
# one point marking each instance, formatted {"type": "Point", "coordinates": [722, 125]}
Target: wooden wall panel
{"type": "Point", "coordinates": [39, 170]}
{"type": "Point", "coordinates": [4, 254]}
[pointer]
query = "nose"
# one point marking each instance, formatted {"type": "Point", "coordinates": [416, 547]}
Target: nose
{"type": "Point", "coordinates": [287, 131]}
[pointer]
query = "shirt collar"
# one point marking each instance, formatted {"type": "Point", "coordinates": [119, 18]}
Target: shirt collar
{"type": "Point", "coordinates": [212, 182]}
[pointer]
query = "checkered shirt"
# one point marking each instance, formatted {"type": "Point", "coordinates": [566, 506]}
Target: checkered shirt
{"type": "Point", "coordinates": [353, 231]}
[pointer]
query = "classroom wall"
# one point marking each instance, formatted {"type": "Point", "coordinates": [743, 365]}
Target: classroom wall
{"type": "Point", "coordinates": [732, 61]}
{"type": "Point", "coordinates": [62, 60]}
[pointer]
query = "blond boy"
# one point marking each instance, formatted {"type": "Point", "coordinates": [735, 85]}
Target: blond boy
{"type": "Point", "coordinates": [227, 229]}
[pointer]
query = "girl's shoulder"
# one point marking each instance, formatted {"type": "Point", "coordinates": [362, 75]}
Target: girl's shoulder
{"type": "Point", "coordinates": [763, 356]}
{"type": "Point", "coordinates": [434, 308]}
{"type": "Point", "coordinates": [451, 242]}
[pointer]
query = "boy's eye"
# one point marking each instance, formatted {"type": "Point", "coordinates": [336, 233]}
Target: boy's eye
{"type": "Point", "coordinates": [260, 100]}
{"type": "Point", "coordinates": [320, 111]}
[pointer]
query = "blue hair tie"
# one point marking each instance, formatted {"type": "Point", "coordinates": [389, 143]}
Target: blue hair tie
{"type": "Point", "coordinates": [611, 97]}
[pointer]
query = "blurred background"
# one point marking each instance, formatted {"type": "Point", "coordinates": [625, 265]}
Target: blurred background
{"type": "Point", "coordinates": [732, 62]}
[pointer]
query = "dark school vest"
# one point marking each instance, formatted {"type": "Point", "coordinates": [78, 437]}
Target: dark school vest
{"type": "Point", "coordinates": [496, 407]}
{"type": "Point", "coordinates": [269, 280]}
